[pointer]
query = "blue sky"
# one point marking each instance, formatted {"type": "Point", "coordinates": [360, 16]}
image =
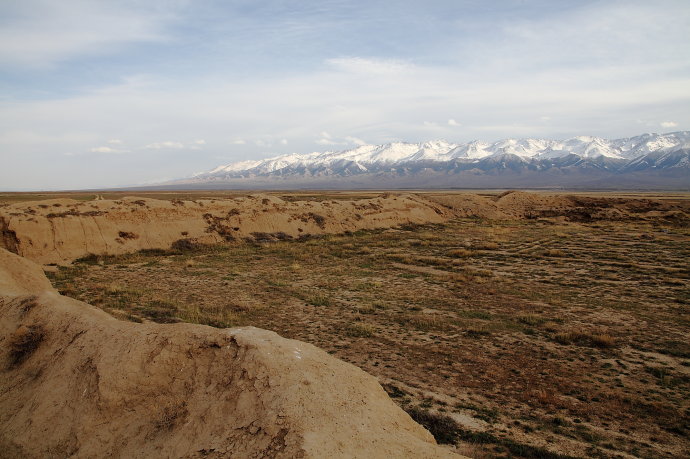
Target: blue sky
{"type": "Point", "coordinates": [112, 93]}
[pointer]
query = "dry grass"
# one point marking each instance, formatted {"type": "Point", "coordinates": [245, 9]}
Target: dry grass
{"type": "Point", "coordinates": [359, 330]}
{"type": "Point", "coordinates": [460, 253]}
{"type": "Point", "coordinates": [600, 340]}
{"type": "Point", "coordinates": [545, 318]}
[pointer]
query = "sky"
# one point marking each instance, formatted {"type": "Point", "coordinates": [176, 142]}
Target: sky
{"type": "Point", "coordinates": [98, 94]}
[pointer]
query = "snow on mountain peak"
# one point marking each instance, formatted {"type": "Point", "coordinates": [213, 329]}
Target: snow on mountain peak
{"type": "Point", "coordinates": [364, 157]}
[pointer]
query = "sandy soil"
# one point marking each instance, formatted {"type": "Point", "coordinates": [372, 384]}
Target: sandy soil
{"type": "Point", "coordinates": [77, 383]}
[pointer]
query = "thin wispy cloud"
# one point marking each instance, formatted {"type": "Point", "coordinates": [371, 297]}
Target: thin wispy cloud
{"type": "Point", "coordinates": [370, 66]}
{"type": "Point", "coordinates": [104, 150]}
{"type": "Point", "coordinates": [44, 33]}
{"type": "Point", "coordinates": [168, 144]}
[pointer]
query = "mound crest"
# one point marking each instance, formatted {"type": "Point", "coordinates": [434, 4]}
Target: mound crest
{"type": "Point", "coordinates": [57, 231]}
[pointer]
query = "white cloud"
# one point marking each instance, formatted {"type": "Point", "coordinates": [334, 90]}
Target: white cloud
{"type": "Point", "coordinates": [452, 122]}
{"type": "Point", "coordinates": [325, 141]}
{"type": "Point", "coordinates": [200, 142]}
{"type": "Point", "coordinates": [430, 124]}
{"type": "Point", "coordinates": [668, 124]}
{"type": "Point", "coordinates": [239, 142]}
{"type": "Point", "coordinates": [262, 143]}
{"type": "Point", "coordinates": [104, 150]}
{"type": "Point", "coordinates": [355, 140]}
{"type": "Point", "coordinates": [45, 32]}
{"type": "Point", "coordinates": [167, 145]}
{"type": "Point", "coordinates": [366, 66]}
{"type": "Point", "coordinates": [283, 141]}
{"type": "Point", "coordinates": [115, 142]}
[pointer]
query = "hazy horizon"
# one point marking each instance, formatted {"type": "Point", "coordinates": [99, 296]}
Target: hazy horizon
{"type": "Point", "coordinates": [111, 94]}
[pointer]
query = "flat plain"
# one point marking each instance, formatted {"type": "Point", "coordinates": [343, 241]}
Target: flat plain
{"type": "Point", "coordinates": [507, 338]}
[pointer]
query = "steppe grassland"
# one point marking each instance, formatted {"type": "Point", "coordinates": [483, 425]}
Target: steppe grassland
{"type": "Point", "coordinates": [523, 338]}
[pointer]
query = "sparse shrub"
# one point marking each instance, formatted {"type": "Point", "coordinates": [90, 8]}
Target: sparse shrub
{"type": "Point", "coordinates": [359, 330]}
{"type": "Point", "coordinates": [531, 319]}
{"type": "Point", "coordinates": [23, 342]}
{"type": "Point", "coordinates": [393, 391]}
{"type": "Point", "coordinates": [477, 273]}
{"type": "Point", "coordinates": [460, 253]}
{"type": "Point", "coordinates": [566, 337]}
{"type": "Point", "coordinates": [281, 236]}
{"type": "Point", "coordinates": [154, 252]}
{"type": "Point", "coordinates": [553, 253]}
{"type": "Point", "coordinates": [600, 340]}
{"type": "Point", "coordinates": [444, 428]}
{"type": "Point", "coordinates": [483, 315]}
{"type": "Point", "coordinates": [319, 300]}
{"type": "Point", "coordinates": [366, 309]}
{"type": "Point", "coordinates": [90, 259]}
{"type": "Point", "coordinates": [262, 237]}
{"type": "Point", "coordinates": [477, 331]}
{"type": "Point", "coordinates": [127, 235]}
{"type": "Point", "coordinates": [424, 322]}
{"type": "Point", "coordinates": [318, 219]}
{"type": "Point", "coordinates": [186, 245]}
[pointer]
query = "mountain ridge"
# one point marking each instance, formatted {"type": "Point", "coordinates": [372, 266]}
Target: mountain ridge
{"type": "Point", "coordinates": [660, 160]}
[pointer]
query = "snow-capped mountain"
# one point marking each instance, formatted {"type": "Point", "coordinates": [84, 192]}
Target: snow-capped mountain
{"type": "Point", "coordinates": [579, 160]}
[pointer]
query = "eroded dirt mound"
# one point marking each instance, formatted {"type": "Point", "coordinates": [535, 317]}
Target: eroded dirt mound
{"type": "Point", "coordinates": [56, 231]}
{"type": "Point", "coordinates": [74, 382]}
{"type": "Point", "coordinates": [512, 205]}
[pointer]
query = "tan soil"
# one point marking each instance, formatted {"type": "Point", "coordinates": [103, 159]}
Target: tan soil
{"type": "Point", "coordinates": [92, 386]}
{"type": "Point", "coordinates": [61, 230]}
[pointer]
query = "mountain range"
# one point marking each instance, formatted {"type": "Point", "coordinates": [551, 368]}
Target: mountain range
{"type": "Point", "coordinates": [652, 161]}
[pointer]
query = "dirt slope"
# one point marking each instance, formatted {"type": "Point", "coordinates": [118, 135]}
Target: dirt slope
{"type": "Point", "coordinates": [61, 230]}
{"type": "Point", "coordinates": [56, 231]}
{"type": "Point", "coordinates": [76, 382]}
{"type": "Point", "coordinates": [513, 205]}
